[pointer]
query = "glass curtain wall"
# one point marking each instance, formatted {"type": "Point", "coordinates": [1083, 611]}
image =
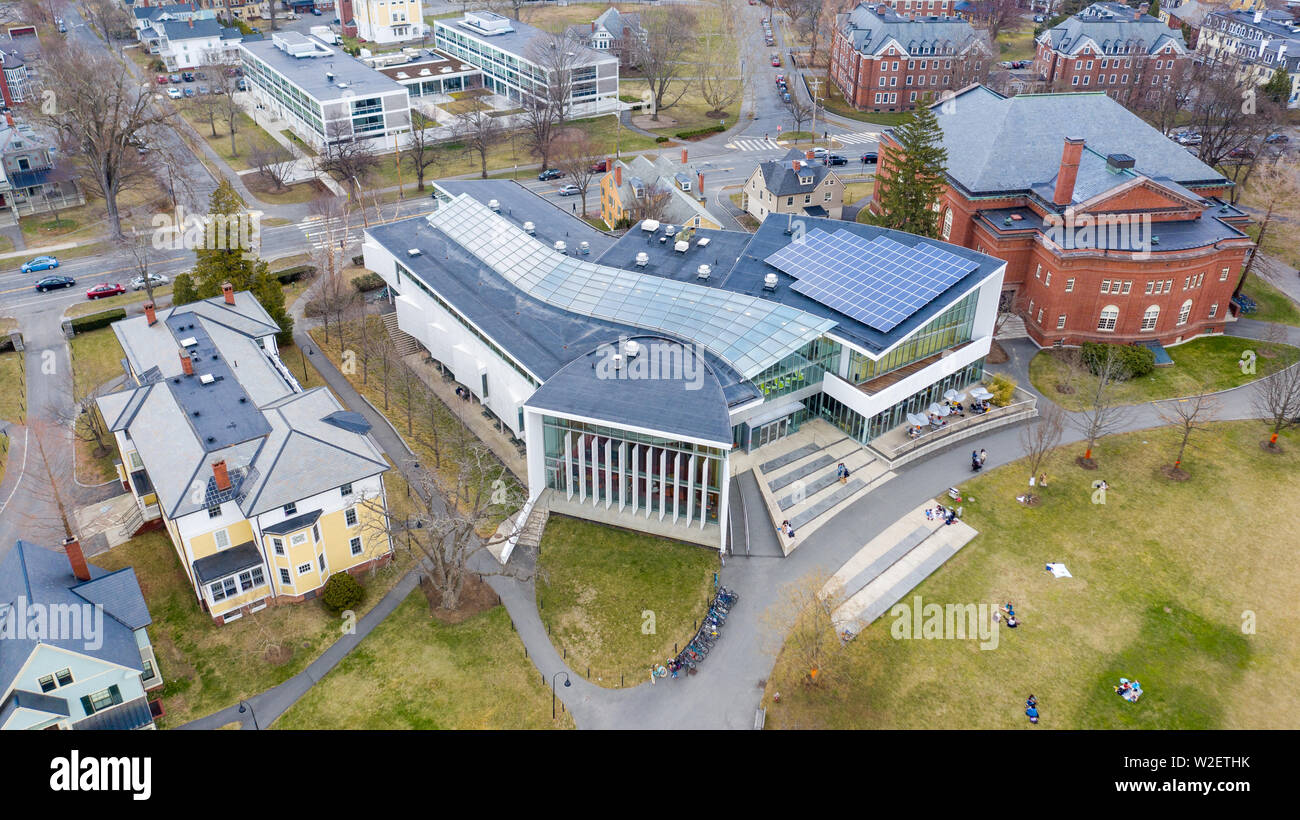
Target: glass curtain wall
{"type": "Point", "coordinates": [863, 429]}
{"type": "Point", "coordinates": [949, 329]}
{"type": "Point", "coordinates": [800, 369]}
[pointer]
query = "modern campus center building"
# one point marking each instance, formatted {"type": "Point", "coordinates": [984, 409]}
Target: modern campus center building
{"type": "Point", "coordinates": [635, 368]}
{"type": "Point", "coordinates": [515, 63]}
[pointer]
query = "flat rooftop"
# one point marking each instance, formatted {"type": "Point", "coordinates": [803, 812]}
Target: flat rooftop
{"type": "Point", "coordinates": [309, 73]}
{"type": "Point", "coordinates": [519, 39]}
{"type": "Point", "coordinates": [1180, 235]}
{"type": "Point", "coordinates": [427, 64]}
{"type": "Point", "coordinates": [520, 205]}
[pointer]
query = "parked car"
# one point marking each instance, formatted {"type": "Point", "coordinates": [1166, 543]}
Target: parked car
{"type": "Point", "coordinates": [1188, 138]}
{"type": "Point", "coordinates": [189, 92]}
{"type": "Point", "coordinates": [785, 96]}
{"type": "Point", "coordinates": [187, 76]}
{"type": "Point", "coordinates": [600, 167]}
{"type": "Point", "coordinates": [52, 282]}
{"type": "Point", "coordinates": [105, 290]}
{"type": "Point", "coordinates": [1241, 153]}
{"type": "Point", "coordinates": [62, 28]}
{"type": "Point", "coordinates": [315, 12]}
{"type": "Point", "coordinates": [155, 279]}
{"type": "Point", "coordinates": [1006, 64]}
{"type": "Point", "coordinates": [569, 190]}
{"type": "Point", "coordinates": [1274, 139]}
{"type": "Point", "coordinates": [40, 263]}
{"type": "Point", "coordinates": [869, 158]}
{"type": "Point", "coordinates": [162, 79]}
{"type": "Point", "coordinates": [203, 89]}
{"type": "Point", "coordinates": [550, 173]}
{"type": "Point", "coordinates": [776, 60]}
{"type": "Point", "coordinates": [1020, 64]}
{"type": "Point", "coordinates": [242, 85]}
{"type": "Point", "coordinates": [1038, 18]}
{"type": "Point", "coordinates": [175, 79]}
{"type": "Point", "coordinates": [200, 75]}
{"type": "Point", "coordinates": [820, 153]}
{"type": "Point", "coordinates": [780, 78]}
{"type": "Point", "coordinates": [836, 159]}
{"type": "Point", "coordinates": [174, 93]}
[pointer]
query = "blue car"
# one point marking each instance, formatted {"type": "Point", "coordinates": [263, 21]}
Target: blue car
{"type": "Point", "coordinates": [40, 263]}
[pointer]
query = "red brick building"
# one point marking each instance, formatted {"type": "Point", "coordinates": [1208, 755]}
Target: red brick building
{"type": "Point", "coordinates": [922, 8]}
{"type": "Point", "coordinates": [883, 61]}
{"type": "Point", "coordinates": [1111, 232]}
{"type": "Point", "coordinates": [1113, 48]}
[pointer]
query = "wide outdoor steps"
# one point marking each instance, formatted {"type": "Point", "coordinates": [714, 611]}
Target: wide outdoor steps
{"type": "Point", "coordinates": [404, 342]}
{"type": "Point", "coordinates": [1013, 327]}
{"type": "Point", "coordinates": [891, 566]}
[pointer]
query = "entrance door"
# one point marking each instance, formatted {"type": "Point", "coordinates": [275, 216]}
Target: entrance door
{"type": "Point", "coordinates": [772, 431]}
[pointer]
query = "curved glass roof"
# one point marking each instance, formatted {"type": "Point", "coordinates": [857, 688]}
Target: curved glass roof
{"type": "Point", "coordinates": [747, 332]}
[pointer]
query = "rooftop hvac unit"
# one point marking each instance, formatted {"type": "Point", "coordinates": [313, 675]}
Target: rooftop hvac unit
{"type": "Point", "coordinates": [650, 225]}
{"type": "Point", "coordinates": [669, 230]}
{"type": "Point", "coordinates": [530, 229]}
{"type": "Point", "coordinates": [560, 246]}
{"type": "Point", "coordinates": [681, 247]}
{"type": "Point", "coordinates": [703, 242]}
{"type": "Point", "coordinates": [630, 349]}
{"type": "Point", "coordinates": [413, 252]}
{"type": "Point", "coordinates": [616, 360]}
{"type": "Point", "coordinates": [769, 282]}
{"type": "Point", "coordinates": [642, 259]}
{"type": "Point", "coordinates": [584, 248]}
{"type": "Point", "coordinates": [703, 271]}
{"type": "Point", "coordinates": [207, 378]}
{"type": "Point", "coordinates": [493, 205]}
{"type": "Point", "coordinates": [189, 342]}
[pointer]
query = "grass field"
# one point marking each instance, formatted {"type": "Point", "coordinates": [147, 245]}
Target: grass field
{"type": "Point", "coordinates": [248, 135]}
{"type": "Point", "coordinates": [1188, 587]}
{"type": "Point", "coordinates": [1017, 44]}
{"type": "Point", "coordinates": [690, 111]}
{"type": "Point", "coordinates": [1274, 305]}
{"type": "Point", "coordinates": [12, 401]}
{"type": "Point", "coordinates": [96, 359]}
{"type": "Point", "coordinates": [414, 672]}
{"type": "Point", "coordinates": [1212, 362]}
{"type": "Point", "coordinates": [834, 102]}
{"type": "Point", "coordinates": [600, 589]}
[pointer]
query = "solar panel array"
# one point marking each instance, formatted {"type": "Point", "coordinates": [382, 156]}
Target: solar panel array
{"type": "Point", "coordinates": [880, 282]}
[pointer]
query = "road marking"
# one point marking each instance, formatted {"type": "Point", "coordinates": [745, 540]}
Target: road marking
{"type": "Point", "coordinates": [22, 471]}
{"type": "Point", "coordinates": [753, 145]}
{"type": "Point", "coordinates": [857, 137]}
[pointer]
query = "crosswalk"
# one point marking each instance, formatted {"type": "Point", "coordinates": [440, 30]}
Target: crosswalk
{"type": "Point", "coordinates": [857, 137]}
{"type": "Point", "coordinates": [753, 145]}
{"type": "Point", "coordinates": [322, 231]}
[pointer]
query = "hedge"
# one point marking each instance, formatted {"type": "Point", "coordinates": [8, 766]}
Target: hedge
{"type": "Point", "coordinates": [295, 273]}
{"type": "Point", "coordinates": [661, 139]}
{"type": "Point", "coordinates": [1003, 389]}
{"type": "Point", "coordinates": [700, 132]}
{"type": "Point", "coordinates": [1135, 360]}
{"type": "Point", "coordinates": [95, 321]}
{"type": "Point", "coordinates": [359, 261]}
{"type": "Point", "coordinates": [368, 281]}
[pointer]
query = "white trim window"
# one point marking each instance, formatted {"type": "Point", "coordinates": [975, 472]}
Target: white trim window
{"type": "Point", "coordinates": [1109, 318]}
{"type": "Point", "coordinates": [303, 569]}
{"type": "Point", "coordinates": [350, 516]}
{"type": "Point", "coordinates": [1150, 317]}
{"type": "Point", "coordinates": [355, 545]}
{"type": "Point", "coordinates": [221, 538]}
{"type": "Point", "coordinates": [1214, 309]}
{"type": "Point", "coordinates": [285, 578]}
{"type": "Point", "coordinates": [223, 589]}
{"type": "Point", "coordinates": [1184, 312]}
{"type": "Point", "coordinates": [1069, 285]}
{"type": "Point", "coordinates": [1060, 322]}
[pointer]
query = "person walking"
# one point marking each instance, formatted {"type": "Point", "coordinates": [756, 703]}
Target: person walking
{"type": "Point", "coordinates": [984, 454]}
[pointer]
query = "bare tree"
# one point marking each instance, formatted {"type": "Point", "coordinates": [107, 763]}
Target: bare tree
{"type": "Point", "coordinates": [1277, 397]}
{"type": "Point", "coordinates": [99, 111]}
{"type": "Point", "coordinates": [274, 162]}
{"type": "Point", "coordinates": [548, 107]}
{"type": "Point", "coordinates": [801, 111]}
{"type": "Point", "coordinates": [333, 297]}
{"type": "Point", "coordinates": [658, 55]}
{"type": "Point", "coordinates": [140, 248]}
{"type": "Point", "coordinates": [996, 15]}
{"type": "Point", "coordinates": [1276, 190]}
{"type": "Point", "coordinates": [576, 155]}
{"type": "Point", "coordinates": [1102, 415]}
{"type": "Point", "coordinates": [801, 623]}
{"type": "Point", "coordinates": [718, 72]}
{"type": "Point", "coordinates": [422, 151]}
{"type": "Point", "coordinates": [651, 202]}
{"type": "Point", "coordinates": [52, 515]}
{"type": "Point", "coordinates": [811, 20]}
{"type": "Point", "coordinates": [226, 85]}
{"type": "Point", "coordinates": [348, 158]}
{"type": "Point", "coordinates": [1188, 415]}
{"type": "Point", "coordinates": [107, 18]}
{"type": "Point", "coordinates": [1039, 439]}
{"type": "Point", "coordinates": [479, 131]}
{"type": "Point", "coordinates": [1228, 115]}
{"type": "Point", "coordinates": [209, 108]}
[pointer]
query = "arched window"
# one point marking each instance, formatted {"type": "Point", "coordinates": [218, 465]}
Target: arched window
{"type": "Point", "coordinates": [947, 223]}
{"type": "Point", "coordinates": [1109, 316]}
{"type": "Point", "coordinates": [1149, 318]}
{"type": "Point", "coordinates": [1184, 312]}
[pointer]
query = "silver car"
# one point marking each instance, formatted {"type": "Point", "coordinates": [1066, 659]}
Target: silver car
{"type": "Point", "coordinates": [155, 279]}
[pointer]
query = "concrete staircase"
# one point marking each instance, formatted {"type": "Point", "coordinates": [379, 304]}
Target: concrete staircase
{"type": "Point", "coordinates": [530, 535]}
{"type": "Point", "coordinates": [405, 343]}
{"type": "Point", "coordinates": [1013, 327]}
{"type": "Point", "coordinates": [891, 566]}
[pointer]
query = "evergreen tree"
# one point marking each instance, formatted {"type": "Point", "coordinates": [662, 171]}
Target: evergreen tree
{"type": "Point", "coordinates": [1278, 87]}
{"type": "Point", "coordinates": [220, 262]}
{"type": "Point", "coordinates": [913, 179]}
{"type": "Point", "coordinates": [1154, 9]}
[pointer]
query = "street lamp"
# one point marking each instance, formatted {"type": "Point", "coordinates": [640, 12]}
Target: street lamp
{"type": "Point", "coordinates": [250, 709]}
{"type": "Point", "coordinates": [567, 684]}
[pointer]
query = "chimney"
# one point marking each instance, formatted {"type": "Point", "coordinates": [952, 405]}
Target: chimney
{"type": "Point", "coordinates": [796, 165]}
{"type": "Point", "coordinates": [683, 156]}
{"type": "Point", "coordinates": [150, 314]}
{"type": "Point", "coordinates": [187, 366]}
{"type": "Point", "coordinates": [699, 182]}
{"type": "Point", "coordinates": [1065, 178]}
{"type": "Point", "coordinates": [1259, 16]}
{"type": "Point", "coordinates": [221, 475]}
{"type": "Point", "coordinates": [9, 118]}
{"type": "Point", "coordinates": [228, 290]}
{"type": "Point", "coordinates": [593, 26]}
{"type": "Point", "coordinates": [191, 21]}
{"type": "Point", "coordinates": [618, 176]}
{"type": "Point", "coordinates": [809, 155]}
{"type": "Point", "coordinates": [77, 558]}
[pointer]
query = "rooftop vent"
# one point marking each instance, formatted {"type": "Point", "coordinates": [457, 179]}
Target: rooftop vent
{"type": "Point", "coordinates": [769, 282]}
{"type": "Point", "coordinates": [207, 378]}
{"type": "Point", "coordinates": [530, 229]}
{"type": "Point", "coordinates": [703, 271]}
{"type": "Point", "coordinates": [413, 252]}
{"type": "Point", "coordinates": [642, 259]}
{"type": "Point", "coordinates": [1117, 162]}
{"type": "Point", "coordinates": [329, 76]}
{"type": "Point", "coordinates": [630, 349]}
{"type": "Point", "coordinates": [703, 242]}
{"type": "Point", "coordinates": [669, 230]}
{"type": "Point", "coordinates": [560, 246]}
{"type": "Point", "coordinates": [584, 248]}
{"type": "Point", "coordinates": [189, 342]}
{"type": "Point", "coordinates": [493, 205]}
{"type": "Point", "coordinates": [650, 225]}
{"type": "Point", "coordinates": [1155, 240]}
{"type": "Point", "coordinates": [681, 246]}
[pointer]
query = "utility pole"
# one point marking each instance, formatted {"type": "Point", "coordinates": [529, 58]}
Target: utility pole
{"type": "Point", "coordinates": [816, 84]}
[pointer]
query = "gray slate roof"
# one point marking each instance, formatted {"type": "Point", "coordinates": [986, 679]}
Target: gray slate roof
{"type": "Point", "coordinates": [871, 31]}
{"type": "Point", "coordinates": [781, 179]}
{"type": "Point", "coordinates": [1003, 144]}
{"type": "Point", "coordinates": [227, 562]}
{"type": "Point", "coordinates": [1107, 25]}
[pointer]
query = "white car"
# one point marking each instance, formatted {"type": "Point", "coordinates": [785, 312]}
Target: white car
{"type": "Point", "coordinates": [155, 279]}
{"type": "Point", "coordinates": [174, 93]}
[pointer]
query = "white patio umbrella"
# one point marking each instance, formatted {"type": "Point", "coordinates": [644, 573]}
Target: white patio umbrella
{"type": "Point", "coordinates": [940, 410]}
{"type": "Point", "coordinates": [981, 394]}
{"type": "Point", "coordinates": [916, 420]}
{"type": "Point", "coordinates": [953, 395]}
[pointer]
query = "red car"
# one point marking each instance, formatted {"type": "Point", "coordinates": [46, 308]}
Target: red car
{"type": "Point", "coordinates": [162, 79]}
{"type": "Point", "coordinates": [106, 289]}
{"type": "Point", "coordinates": [776, 60]}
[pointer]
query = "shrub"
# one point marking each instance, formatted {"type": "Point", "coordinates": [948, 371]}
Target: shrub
{"type": "Point", "coordinates": [700, 132]}
{"type": "Point", "coordinates": [1003, 390]}
{"type": "Point", "coordinates": [661, 140]}
{"type": "Point", "coordinates": [295, 273]}
{"type": "Point", "coordinates": [342, 592]}
{"type": "Point", "coordinates": [6, 343]}
{"type": "Point", "coordinates": [1136, 360]}
{"type": "Point", "coordinates": [359, 261]}
{"type": "Point", "coordinates": [368, 282]}
{"type": "Point", "coordinates": [85, 324]}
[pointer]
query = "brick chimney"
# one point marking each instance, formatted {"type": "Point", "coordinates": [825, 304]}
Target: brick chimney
{"type": "Point", "coordinates": [150, 313]}
{"type": "Point", "coordinates": [228, 290]}
{"type": "Point", "coordinates": [809, 155]}
{"type": "Point", "coordinates": [699, 182]}
{"type": "Point", "coordinates": [796, 165]}
{"type": "Point", "coordinates": [221, 475]}
{"type": "Point", "coordinates": [191, 22]}
{"type": "Point", "coordinates": [683, 156]}
{"type": "Point", "coordinates": [9, 118]}
{"type": "Point", "coordinates": [187, 366]}
{"type": "Point", "coordinates": [593, 26]}
{"type": "Point", "coordinates": [618, 176]}
{"type": "Point", "coordinates": [1065, 178]}
{"type": "Point", "coordinates": [77, 558]}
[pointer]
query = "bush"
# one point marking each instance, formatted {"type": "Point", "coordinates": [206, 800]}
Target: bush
{"type": "Point", "coordinates": [295, 273]}
{"type": "Point", "coordinates": [368, 282]}
{"type": "Point", "coordinates": [342, 592]}
{"type": "Point", "coordinates": [85, 324]}
{"type": "Point", "coordinates": [6, 343]}
{"type": "Point", "coordinates": [1136, 360]}
{"type": "Point", "coordinates": [661, 140]}
{"type": "Point", "coordinates": [1003, 390]}
{"type": "Point", "coordinates": [359, 261]}
{"type": "Point", "coordinates": [699, 132]}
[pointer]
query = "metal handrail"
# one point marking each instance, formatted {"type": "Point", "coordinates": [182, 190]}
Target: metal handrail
{"type": "Point", "coordinates": [958, 425]}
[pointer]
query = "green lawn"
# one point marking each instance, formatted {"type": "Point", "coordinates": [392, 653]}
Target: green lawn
{"type": "Point", "coordinates": [690, 112]}
{"type": "Point", "coordinates": [96, 359]}
{"type": "Point", "coordinates": [131, 297]}
{"type": "Point", "coordinates": [208, 667]}
{"type": "Point", "coordinates": [414, 672]}
{"type": "Point", "coordinates": [834, 102]}
{"type": "Point", "coordinates": [248, 135]}
{"type": "Point", "coordinates": [601, 590]}
{"type": "Point", "coordinates": [1016, 44]}
{"type": "Point", "coordinates": [12, 398]}
{"type": "Point", "coordinates": [1274, 305]}
{"type": "Point", "coordinates": [1168, 578]}
{"type": "Point", "coordinates": [1210, 361]}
